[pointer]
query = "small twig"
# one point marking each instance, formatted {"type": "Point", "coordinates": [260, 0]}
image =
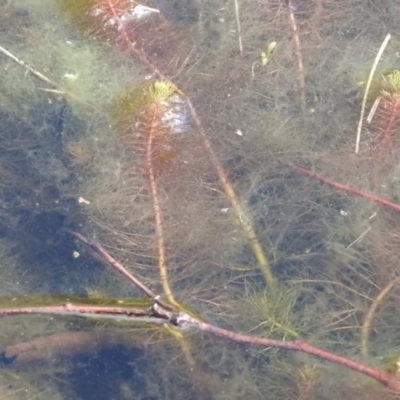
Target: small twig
{"type": "Point", "coordinates": [358, 240]}
{"type": "Point", "coordinates": [27, 66]}
{"type": "Point", "coordinates": [373, 109]}
{"type": "Point", "coordinates": [56, 90]}
{"type": "Point", "coordinates": [382, 377]}
{"type": "Point", "coordinates": [299, 54]}
{"type": "Point", "coordinates": [239, 28]}
{"type": "Point", "coordinates": [98, 249]}
{"type": "Point", "coordinates": [157, 314]}
{"type": "Point", "coordinates": [371, 75]}
{"type": "Point", "coordinates": [82, 310]}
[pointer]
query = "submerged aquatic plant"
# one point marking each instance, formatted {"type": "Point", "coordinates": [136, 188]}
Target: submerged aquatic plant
{"type": "Point", "coordinates": [154, 118]}
{"type": "Point", "coordinates": [385, 115]}
{"type": "Point", "coordinates": [89, 15]}
{"type": "Point", "coordinates": [169, 222]}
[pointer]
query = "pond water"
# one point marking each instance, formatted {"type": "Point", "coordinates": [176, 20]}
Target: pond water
{"type": "Point", "coordinates": [165, 133]}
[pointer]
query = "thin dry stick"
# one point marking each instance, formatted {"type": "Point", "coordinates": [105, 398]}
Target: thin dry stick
{"type": "Point", "coordinates": [239, 209]}
{"type": "Point", "coordinates": [27, 67]}
{"type": "Point", "coordinates": [366, 326]}
{"type": "Point", "coordinates": [44, 78]}
{"type": "Point", "coordinates": [358, 240]}
{"type": "Point", "coordinates": [138, 314]}
{"type": "Point", "coordinates": [371, 75]}
{"type": "Point", "coordinates": [158, 315]}
{"type": "Point", "coordinates": [239, 28]}
{"type": "Point", "coordinates": [299, 55]}
{"type": "Point", "coordinates": [98, 249]}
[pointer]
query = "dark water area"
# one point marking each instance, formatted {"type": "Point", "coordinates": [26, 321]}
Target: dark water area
{"type": "Point", "coordinates": [106, 144]}
{"type": "Point", "coordinates": [102, 374]}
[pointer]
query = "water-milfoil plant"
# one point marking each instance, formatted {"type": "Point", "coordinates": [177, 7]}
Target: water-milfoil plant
{"type": "Point", "coordinates": [385, 116]}
{"type": "Point", "coordinates": [98, 14]}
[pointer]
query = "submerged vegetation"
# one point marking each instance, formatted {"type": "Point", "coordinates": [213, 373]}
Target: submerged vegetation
{"type": "Point", "coordinates": [162, 136]}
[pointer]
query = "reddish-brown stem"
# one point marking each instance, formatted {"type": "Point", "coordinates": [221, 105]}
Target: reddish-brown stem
{"type": "Point", "coordinates": [298, 345]}
{"type": "Point", "coordinates": [98, 249]}
{"type": "Point", "coordinates": [139, 54]}
{"type": "Point", "coordinates": [348, 189]}
{"type": "Point", "coordinates": [157, 314]}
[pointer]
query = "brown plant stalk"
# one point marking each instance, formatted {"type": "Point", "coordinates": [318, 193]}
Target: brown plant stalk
{"type": "Point", "coordinates": [238, 207]}
{"type": "Point", "coordinates": [153, 126]}
{"type": "Point", "coordinates": [160, 314]}
{"type": "Point", "coordinates": [178, 319]}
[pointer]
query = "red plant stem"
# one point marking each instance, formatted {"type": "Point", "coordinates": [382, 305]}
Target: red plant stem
{"type": "Point", "coordinates": [297, 345]}
{"type": "Point", "coordinates": [157, 314]}
{"type": "Point", "coordinates": [131, 43]}
{"type": "Point", "coordinates": [98, 249]}
{"type": "Point", "coordinates": [349, 189]}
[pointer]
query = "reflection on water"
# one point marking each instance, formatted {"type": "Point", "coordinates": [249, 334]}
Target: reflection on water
{"type": "Point", "coordinates": [66, 164]}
